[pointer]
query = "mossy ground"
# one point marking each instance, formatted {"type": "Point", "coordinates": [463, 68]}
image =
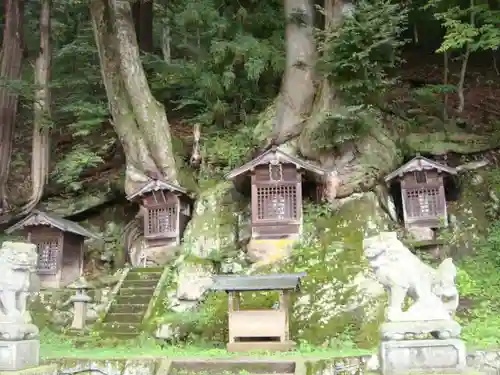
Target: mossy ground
{"type": "Point", "coordinates": [67, 351]}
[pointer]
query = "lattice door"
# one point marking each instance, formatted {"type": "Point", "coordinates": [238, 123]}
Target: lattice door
{"type": "Point", "coordinates": [162, 220]}
{"type": "Point", "coordinates": [277, 202]}
{"type": "Point", "coordinates": [423, 202]}
{"type": "Point", "coordinates": [48, 256]}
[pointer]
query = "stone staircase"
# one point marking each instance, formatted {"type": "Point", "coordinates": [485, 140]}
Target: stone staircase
{"type": "Point", "coordinates": [126, 313]}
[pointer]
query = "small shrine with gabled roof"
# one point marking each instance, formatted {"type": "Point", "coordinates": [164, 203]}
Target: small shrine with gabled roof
{"type": "Point", "coordinates": [167, 209]}
{"type": "Point", "coordinates": [422, 192]}
{"type": "Point", "coordinates": [259, 329]}
{"type": "Point", "coordinates": [60, 246]}
{"type": "Point", "coordinates": [276, 181]}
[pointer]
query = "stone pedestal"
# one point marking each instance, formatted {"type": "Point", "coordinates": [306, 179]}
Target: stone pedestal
{"type": "Point", "coordinates": [80, 311]}
{"type": "Point", "coordinates": [422, 356]}
{"type": "Point", "coordinates": [18, 355]}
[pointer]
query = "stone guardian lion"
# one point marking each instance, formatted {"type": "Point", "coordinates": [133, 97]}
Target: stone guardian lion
{"type": "Point", "coordinates": [403, 274]}
{"type": "Point", "coordinates": [17, 269]}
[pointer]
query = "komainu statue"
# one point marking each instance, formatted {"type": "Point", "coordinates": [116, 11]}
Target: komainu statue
{"type": "Point", "coordinates": [403, 274]}
{"type": "Point", "coordinates": [17, 269]}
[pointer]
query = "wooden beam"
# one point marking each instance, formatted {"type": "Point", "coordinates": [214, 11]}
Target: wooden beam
{"type": "Point", "coordinates": [284, 306]}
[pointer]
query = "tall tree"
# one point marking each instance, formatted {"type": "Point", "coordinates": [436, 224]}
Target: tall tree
{"type": "Point", "coordinates": [139, 119]}
{"type": "Point", "coordinates": [42, 107]}
{"type": "Point", "coordinates": [10, 70]}
{"type": "Point", "coordinates": [331, 85]}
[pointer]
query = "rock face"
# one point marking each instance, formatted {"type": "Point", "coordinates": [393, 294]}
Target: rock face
{"type": "Point", "coordinates": [213, 228]}
{"type": "Point", "coordinates": [193, 280]}
{"type": "Point", "coordinates": [211, 235]}
{"type": "Point", "coordinates": [338, 289]}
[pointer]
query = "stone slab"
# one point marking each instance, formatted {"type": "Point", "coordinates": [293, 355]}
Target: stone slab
{"type": "Point", "coordinates": [39, 370]}
{"type": "Point", "coordinates": [422, 356]}
{"type": "Point", "coordinates": [442, 329]}
{"type": "Point", "coordinates": [268, 346]}
{"type": "Point", "coordinates": [19, 355]}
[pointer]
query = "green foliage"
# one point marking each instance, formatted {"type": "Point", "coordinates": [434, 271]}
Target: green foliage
{"type": "Point", "coordinates": [226, 60]}
{"type": "Point", "coordinates": [356, 56]}
{"type": "Point", "coordinates": [474, 27]}
{"type": "Point", "coordinates": [225, 150]}
{"type": "Point", "coordinates": [72, 165]}
{"type": "Point", "coordinates": [479, 287]}
{"type": "Point", "coordinates": [347, 123]}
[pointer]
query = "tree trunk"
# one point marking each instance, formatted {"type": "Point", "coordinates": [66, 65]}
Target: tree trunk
{"type": "Point", "coordinates": [326, 97]}
{"type": "Point", "coordinates": [302, 104]}
{"type": "Point", "coordinates": [356, 165]}
{"type": "Point", "coordinates": [10, 69]}
{"type": "Point", "coordinates": [42, 116]}
{"type": "Point", "coordinates": [139, 120]}
{"type": "Point", "coordinates": [298, 86]}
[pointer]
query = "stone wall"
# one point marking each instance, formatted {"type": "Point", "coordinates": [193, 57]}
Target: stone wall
{"type": "Point", "coordinates": [485, 362]}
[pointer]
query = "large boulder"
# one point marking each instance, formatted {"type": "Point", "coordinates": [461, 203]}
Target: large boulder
{"type": "Point", "coordinates": [338, 294]}
{"type": "Point", "coordinates": [214, 226]}
{"type": "Point", "coordinates": [476, 193]}
{"type": "Point", "coordinates": [212, 236]}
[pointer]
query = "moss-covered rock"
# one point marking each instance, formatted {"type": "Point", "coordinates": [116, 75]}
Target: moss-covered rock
{"type": "Point", "coordinates": [51, 308]}
{"type": "Point", "coordinates": [442, 143]}
{"type": "Point", "coordinates": [338, 300]}
{"type": "Point", "coordinates": [468, 214]}
{"type": "Point", "coordinates": [335, 293]}
{"type": "Point", "coordinates": [213, 230]}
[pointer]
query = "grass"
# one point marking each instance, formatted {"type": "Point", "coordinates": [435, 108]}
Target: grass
{"type": "Point", "coordinates": [57, 348]}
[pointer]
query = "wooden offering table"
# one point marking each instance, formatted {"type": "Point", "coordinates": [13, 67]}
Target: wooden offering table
{"type": "Point", "coordinates": [258, 329]}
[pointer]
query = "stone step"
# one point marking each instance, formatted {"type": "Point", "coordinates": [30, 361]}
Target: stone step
{"type": "Point", "coordinates": [114, 328]}
{"type": "Point", "coordinates": [136, 291]}
{"type": "Point", "coordinates": [127, 308]}
{"type": "Point", "coordinates": [124, 317]}
{"type": "Point", "coordinates": [144, 276]}
{"type": "Point", "coordinates": [134, 300]}
{"type": "Point", "coordinates": [139, 283]}
{"type": "Point", "coordinates": [145, 270]}
{"type": "Point", "coordinates": [117, 335]}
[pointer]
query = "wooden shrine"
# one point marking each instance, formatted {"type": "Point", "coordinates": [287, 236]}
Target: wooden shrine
{"type": "Point", "coordinates": [60, 246]}
{"type": "Point", "coordinates": [167, 209]}
{"type": "Point", "coordinates": [276, 192]}
{"type": "Point", "coordinates": [422, 192]}
{"type": "Point", "coordinates": [259, 329]}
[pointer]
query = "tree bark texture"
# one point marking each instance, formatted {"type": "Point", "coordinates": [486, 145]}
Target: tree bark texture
{"type": "Point", "coordinates": [10, 69]}
{"type": "Point", "coordinates": [42, 111]}
{"type": "Point", "coordinates": [326, 99]}
{"type": "Point", "coordinates": [139, 120]}
{"type": "Point", "coordinates": [298, 86]}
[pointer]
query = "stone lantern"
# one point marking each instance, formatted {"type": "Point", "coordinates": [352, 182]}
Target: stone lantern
{"type": "Point", "coordinates": [80, 301]}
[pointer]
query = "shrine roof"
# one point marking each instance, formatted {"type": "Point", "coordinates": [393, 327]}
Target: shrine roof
{"type": "Point", "coordinates": [419, 163]}
{"type": "Point", "coordinates": [236, 283]}
{"type": "Point", "coordinates": [39, 218]}
{"type": "Point", "coordinates": [157, 185]}
{"type": "Point", "coordinates": [275, 155]}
